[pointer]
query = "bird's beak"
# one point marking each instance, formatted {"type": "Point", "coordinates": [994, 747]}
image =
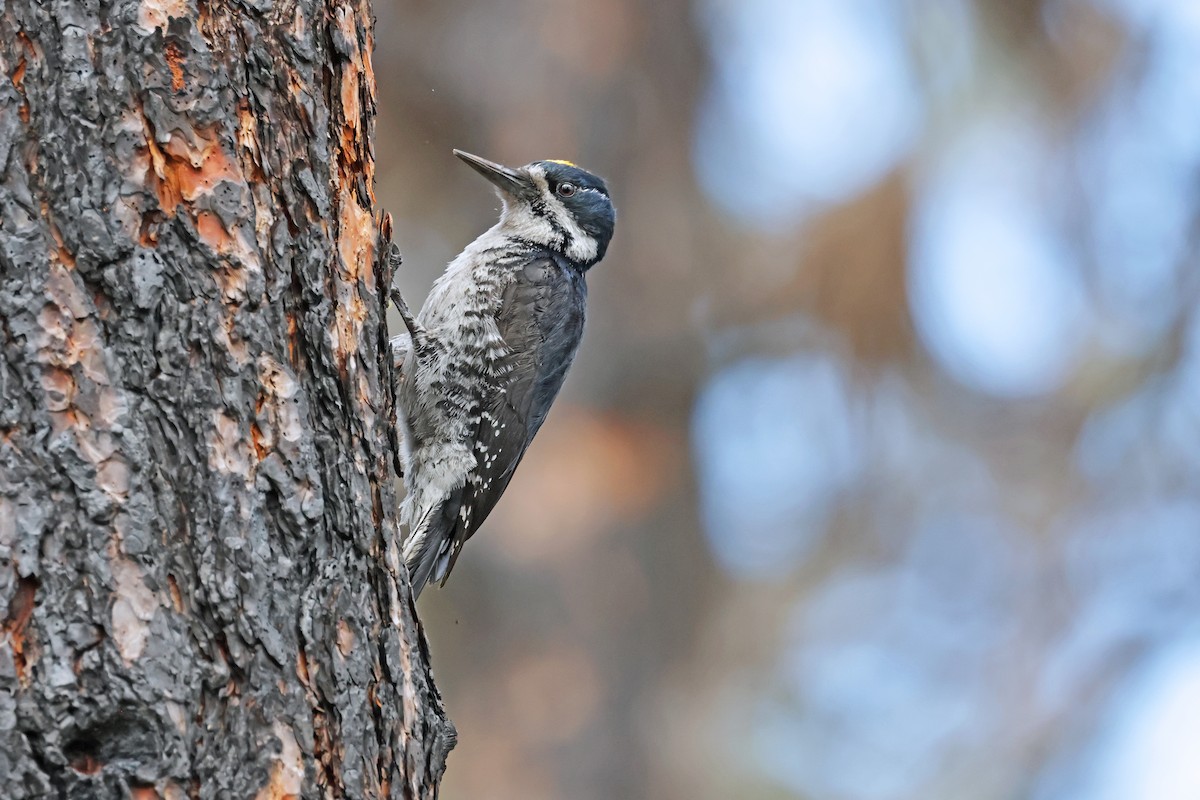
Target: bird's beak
{"type": "Point", "coordinates": [506, 179]}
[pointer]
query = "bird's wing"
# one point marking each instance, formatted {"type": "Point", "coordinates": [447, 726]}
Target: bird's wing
{"type": "Point", "coordinates": [541, 322]}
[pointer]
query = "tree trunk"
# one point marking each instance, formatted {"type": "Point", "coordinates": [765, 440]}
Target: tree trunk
{"type": "Point", "coordinates": [199, 589]}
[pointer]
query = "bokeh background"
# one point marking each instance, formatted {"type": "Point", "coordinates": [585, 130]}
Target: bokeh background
{"type": "Point", "coordinates": [878, 475]}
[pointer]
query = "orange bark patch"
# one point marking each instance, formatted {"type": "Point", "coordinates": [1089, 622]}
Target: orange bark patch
{"type": "Point", "coordinates": [199, 171]}
{"type": "Point", "coordinates": [357, 228]}
{"type": "Point", "coordinates": [181, 172]}
{"type": "Point", "coordinates": [261, 444]}
{"type": "Point", "coordinates": [350, 105]}
{"type": "Point", "coordinates": [302, 670]}
{"type": "Point", "coordinates": [293, 329]}
{"type": "Point", "coordinates": [356, 246]}
{"type": "Point", "coordinates": [166, 189]}
{"type": "Point", "coordinates": [176, 595]}
{"type": "Point", "coordinates": [356, 237]}
{"type": "Point", "coordinates": [247, 127]}
{"type": "Point", "coordinates": [212, 232]}
{"type": "Point", "coordinates": [18, 74]}
{"type": "Point", "coordinates": [64, 256]}
{"type": "Point", "coordinates": [368, 66]}
{"type": "Point", "coordinates": [247, 135]}
{"type": "Point", "coordinates": [20, 612]}
{"type": "Point", "coordinates": [175, 64]}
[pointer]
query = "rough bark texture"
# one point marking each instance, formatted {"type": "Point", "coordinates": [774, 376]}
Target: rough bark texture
{"type": "Point", "coordinates": [199, 595]}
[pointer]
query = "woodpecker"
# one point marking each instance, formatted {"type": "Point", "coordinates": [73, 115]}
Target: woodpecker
{"type": "Point", "coordinates": [488, 352]}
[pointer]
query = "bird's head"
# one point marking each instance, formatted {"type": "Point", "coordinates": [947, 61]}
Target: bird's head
{"type": "Point", "coordinates": [554, 204]}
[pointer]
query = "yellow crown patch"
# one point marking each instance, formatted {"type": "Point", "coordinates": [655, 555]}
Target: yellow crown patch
{"type": "Point", "coordinates": [564, 163]}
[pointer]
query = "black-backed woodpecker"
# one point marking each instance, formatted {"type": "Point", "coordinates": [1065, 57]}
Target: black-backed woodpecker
{"type": "Point", "coordinates": [489, 350]}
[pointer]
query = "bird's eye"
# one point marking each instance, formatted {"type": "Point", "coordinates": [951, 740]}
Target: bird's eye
{"type": "Point", "coordinates": [566, 189]}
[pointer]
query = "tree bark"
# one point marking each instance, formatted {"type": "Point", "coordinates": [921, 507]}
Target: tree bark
{"type": "Point", "coordinates": [199, 588]}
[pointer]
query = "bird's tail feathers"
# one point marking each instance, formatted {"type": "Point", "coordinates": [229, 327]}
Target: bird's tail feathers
{"type": "Point", "coordinates": [427, 554]}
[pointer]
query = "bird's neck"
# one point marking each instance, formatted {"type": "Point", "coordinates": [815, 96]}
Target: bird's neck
{"type": "Point", "coordinates": [549, 226]}
{"type": "Point", "coordinates": [473, 284]}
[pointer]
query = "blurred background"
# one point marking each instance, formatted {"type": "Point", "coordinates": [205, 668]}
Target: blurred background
{"type": "Point", "coordinates": [878, 475]}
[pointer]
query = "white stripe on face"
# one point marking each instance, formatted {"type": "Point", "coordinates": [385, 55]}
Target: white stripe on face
{"type": "Point", "coordinates": [576, 245]}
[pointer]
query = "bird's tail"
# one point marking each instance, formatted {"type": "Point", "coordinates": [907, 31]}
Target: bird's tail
{"type": "Point", "coordinates": [427, 555]}
{"type": "Point", "coordinates": [419, 569]}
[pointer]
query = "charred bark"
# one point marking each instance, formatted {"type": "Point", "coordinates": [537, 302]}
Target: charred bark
{"type": "Point", "coordinates": [199, 589]}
